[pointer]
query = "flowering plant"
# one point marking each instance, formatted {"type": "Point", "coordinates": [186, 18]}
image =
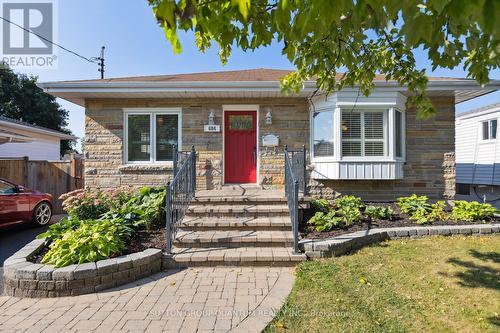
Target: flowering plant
{"type": "Point", "coordinates": [91, 204]}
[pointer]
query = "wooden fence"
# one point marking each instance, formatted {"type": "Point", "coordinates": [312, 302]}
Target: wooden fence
{"type": "Point", "coordinates": [54, 177]}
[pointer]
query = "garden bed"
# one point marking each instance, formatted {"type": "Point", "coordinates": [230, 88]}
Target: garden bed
{"type": "Point", "coordinates": [347, 214]}
{"type": "Point", "coordinates": [401, 220]}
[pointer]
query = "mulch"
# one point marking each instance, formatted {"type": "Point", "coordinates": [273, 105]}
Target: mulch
{"type": "Point", "coordinates": [146, 239]}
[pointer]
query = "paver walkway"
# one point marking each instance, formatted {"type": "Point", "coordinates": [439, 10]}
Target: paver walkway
{"type": "Point", "coordinates": [207, 299]}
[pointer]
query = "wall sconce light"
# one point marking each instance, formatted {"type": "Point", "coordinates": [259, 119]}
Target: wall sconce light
{"type": "Point", "coordinates": [269, 118]}
{"type": "Point", "coordinates": [211, 118]}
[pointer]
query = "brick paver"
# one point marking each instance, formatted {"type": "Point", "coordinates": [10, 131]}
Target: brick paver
{"type": "Point", "coordinates": [208, 299]}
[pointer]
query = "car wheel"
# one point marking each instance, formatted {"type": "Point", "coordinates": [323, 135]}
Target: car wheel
{"type": "Point", "coordinates": [42, 214]}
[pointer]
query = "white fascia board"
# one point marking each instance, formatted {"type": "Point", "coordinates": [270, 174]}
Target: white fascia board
{"type": "Point", "coordinates": [38, 130]}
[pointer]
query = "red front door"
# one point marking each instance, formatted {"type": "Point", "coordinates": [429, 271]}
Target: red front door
{"type": "Point", "coordinates": [240, 146]}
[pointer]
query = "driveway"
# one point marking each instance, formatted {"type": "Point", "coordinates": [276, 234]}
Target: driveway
{"type": "Point", "coordinates": [13, 239]}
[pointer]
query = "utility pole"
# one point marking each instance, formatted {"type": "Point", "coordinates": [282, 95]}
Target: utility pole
{"type": "Point", "coordinates": [101, 62]}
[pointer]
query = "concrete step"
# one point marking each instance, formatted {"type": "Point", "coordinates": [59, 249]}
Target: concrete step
{"type": "Point", "coordinates": [238, 210]}
{"type": "Point", "coordinates": [235, 223]}
{"type": "Point", "coordinates": [234, 238]}
{"type": "Point", "coordinates": [243, 256]}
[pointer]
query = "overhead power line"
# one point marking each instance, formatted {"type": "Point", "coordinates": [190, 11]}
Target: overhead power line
{"type": "Point", "coordinates": [92, 60]}
{"type": "Point", "coordinates": [99, 60]}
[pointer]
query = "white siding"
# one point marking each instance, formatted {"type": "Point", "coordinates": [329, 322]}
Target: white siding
{"type": "Point", "coordinates": [43, 147]}
{"type": "Point", "coordinates": [478, 161]}
{"type": "Point", "coordinates": [357, 170]}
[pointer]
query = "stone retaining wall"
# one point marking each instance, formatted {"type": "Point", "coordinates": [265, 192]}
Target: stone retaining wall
{"type": "Point", "coordinates": [340, 245]}
{"type": "Point", "coordinates": [23, 278]}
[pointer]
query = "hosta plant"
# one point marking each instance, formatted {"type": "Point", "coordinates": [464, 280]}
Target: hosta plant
{"type": "Point", "coordinates": [472, 211]}
{"type": "Point", "coordinates": [435, 213]}
{"type": "Point", "coordinates": [320, 205]}
{"type": "Point", "coordinates": [92, 241]}
{"type": "Point", "coordinates": [146, 207]}
{"type": "Point", "coordinates": [348, 201]}
{"type": "Point", "coordinates": [57, 230]}
{"type": "Point", "coordinates": [379, 212]}
{"type": "Point", "coordinates": [413, 203]}
{"type": "Point", "coordinates": [325, 222]}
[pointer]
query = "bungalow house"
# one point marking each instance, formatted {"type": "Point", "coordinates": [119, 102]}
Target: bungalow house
{"type": "Point", "coordinates": [239, 122]}
{"type": "Point", "coordinates": [22, 139]}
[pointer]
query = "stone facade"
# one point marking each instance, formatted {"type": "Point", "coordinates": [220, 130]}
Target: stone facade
{"type": "Point", "coordinates": [426, 143]}
{"type": "Point", "coordinates": [104, 165]}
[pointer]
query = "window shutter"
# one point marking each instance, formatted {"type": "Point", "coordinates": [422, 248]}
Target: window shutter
{"type": "Point", "coordinates": [374, 125]}
{"type": "Point", "coordinates": [351, 125]}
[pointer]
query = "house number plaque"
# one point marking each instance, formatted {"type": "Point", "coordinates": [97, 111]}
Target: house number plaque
{"type": "Point", "coordinates": [212, 128]}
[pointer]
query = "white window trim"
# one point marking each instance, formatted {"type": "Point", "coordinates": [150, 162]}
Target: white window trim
{"type": "Point", "coordinates": [392, 136]}
{"type": "Point", "coordinates": [389, 134]}
{"type": "Point", "coordinates": [311, 121]}
{"type": "Point", "coordinates": [152, 112]}
{"type": "Point", "coordinates": [489, 121]}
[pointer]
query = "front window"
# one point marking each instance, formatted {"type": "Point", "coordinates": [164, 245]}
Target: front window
{"type": "Point", "coordinates": [489, 129]}
{"type": "Point", "coordinates": [364, 133]}
{"type": "Point", "coordinates": [398, 133]}
{"type": "Point", "coordinates": [150, 136]}
{"type": "Point", "coordinates": [323, 134]}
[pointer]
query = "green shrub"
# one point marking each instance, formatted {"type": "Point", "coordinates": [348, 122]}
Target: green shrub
{"type": "Point", "coordinates": [91, 204]}
{"type": "Point", "coordinates": [56, 230]}
{"type": "Point", "coordinates": [146, 207]}
{"type": "Point", "coordinates": [379, 212]}
{"type": "Point", "coordinates": [436, 213]}
{"type": "Point", "coordinates": [325, 222]}
{"type": "Point", "coordinates": [320, 205]}
{"type": "Point", "coordinates": [413, 203]}
{"type": "Point", "coordinates": [348, 206]}
{"type": "Point", "coordinates": [91, 241]}
{"type": "Point", "coordinates": [472, 211]}
{"type": "Point", "coordinates": [348, 201]}
{"type": "Point", "coordinates": [350, 215]}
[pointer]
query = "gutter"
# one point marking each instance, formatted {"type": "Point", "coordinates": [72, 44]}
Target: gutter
{"type": "Point", "coordinates": [38, 130]}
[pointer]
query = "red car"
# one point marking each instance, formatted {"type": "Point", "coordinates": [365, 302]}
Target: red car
{"type": "Point", "coordinates": [19, 204]}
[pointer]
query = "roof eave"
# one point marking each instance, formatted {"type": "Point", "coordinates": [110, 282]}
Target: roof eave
{"type": "Point", "coordinates": [59, 135]}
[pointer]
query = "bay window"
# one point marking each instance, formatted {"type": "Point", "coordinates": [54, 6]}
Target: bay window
{"type": "Point", "coordinates": [323, 134]}
{"type": "Point", "coordinates": [150, 135]}
{"type": "Point", "coordinates": [365, 142]}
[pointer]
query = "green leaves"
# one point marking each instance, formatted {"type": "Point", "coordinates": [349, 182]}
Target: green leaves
{"type": "Point", "coordinates": [91, 241]}
{"type": "Point", "coordinates": [471, 211]}
{"type": "Point", "coordinates": [363, 38]}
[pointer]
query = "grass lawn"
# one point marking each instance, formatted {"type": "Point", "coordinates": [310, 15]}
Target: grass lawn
{"type": "Point", "coordinates": [437, 284]}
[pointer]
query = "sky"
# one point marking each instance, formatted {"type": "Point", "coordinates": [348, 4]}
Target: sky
{"type": "Point", "coordinates": [135, 45]}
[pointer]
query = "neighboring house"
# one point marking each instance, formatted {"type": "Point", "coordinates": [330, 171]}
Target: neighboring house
{"type": "Point", "coordinates": [478, 154]}
{"type": "Point", "coordinates": [372, 146]}
{"type": "Point", "coordinates": [19, 139]}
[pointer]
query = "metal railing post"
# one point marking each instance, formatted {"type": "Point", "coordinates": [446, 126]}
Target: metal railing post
{"type": "Point", "coordinates": [305, 171]}
{"type": "Point", "coordinates": [193, 152]}
{"type": "Point", "coordinates": [174, 159]}
{"type": "Point", "coordinates": [168, 218]}
{"type": "Point", "coordinates": [296, 217]}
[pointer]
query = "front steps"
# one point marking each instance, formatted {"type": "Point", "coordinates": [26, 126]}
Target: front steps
{"type": "Point", "coordinates": [235, 226]}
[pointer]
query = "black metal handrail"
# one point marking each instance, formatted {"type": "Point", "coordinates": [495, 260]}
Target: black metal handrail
{"type": "Point", "coordinates": [298, 162]}
{"type": "Point", "coordinates": [292, 193]}
{"type": "Point", "coordinates": [180, 191]}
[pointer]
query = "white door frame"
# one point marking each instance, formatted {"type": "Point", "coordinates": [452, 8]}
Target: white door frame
{"type": "Point", "coordinates": [240, 107]}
